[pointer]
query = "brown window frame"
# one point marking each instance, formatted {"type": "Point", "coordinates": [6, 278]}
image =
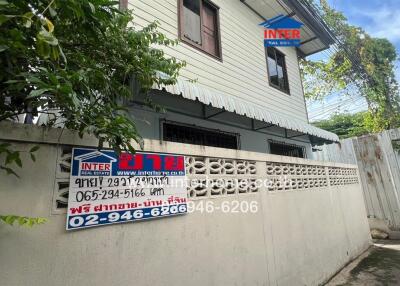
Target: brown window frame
{"type": "Point", "coordinates": [123, 5]}
{"type": "Point", "coordinates": [193, 44]}
{"type": "Point", "coordinates": [285, 73]}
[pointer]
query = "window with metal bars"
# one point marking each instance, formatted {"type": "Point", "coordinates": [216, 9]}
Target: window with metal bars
{"type": "Point", "coordinates": [182, 133]}
{"type": "Point", "coordinates": [284, 149]}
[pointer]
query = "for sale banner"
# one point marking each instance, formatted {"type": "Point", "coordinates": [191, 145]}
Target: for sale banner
{"type": "Point", "coordinates": [107, 188]}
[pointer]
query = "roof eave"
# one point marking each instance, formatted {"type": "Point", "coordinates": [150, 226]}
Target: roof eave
{"type": "Point", "coordinates": [307, 16]}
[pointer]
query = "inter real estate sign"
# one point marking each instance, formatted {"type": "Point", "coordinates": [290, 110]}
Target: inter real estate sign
{"type": "Point", "coordinates": [107, 188]}
{"type": "Point", "coordinates": [281, 31]}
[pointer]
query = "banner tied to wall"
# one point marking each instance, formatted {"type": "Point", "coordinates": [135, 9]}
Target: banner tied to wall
{"type": "Point", "coordinates": [107, 188]}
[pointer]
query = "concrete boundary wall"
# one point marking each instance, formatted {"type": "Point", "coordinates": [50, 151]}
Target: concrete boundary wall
{"type": "Point", "coordinates": [301, 234]}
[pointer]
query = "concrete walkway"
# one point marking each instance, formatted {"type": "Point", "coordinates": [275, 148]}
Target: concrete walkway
{"type": "Point", "coordinates": [380, 265]}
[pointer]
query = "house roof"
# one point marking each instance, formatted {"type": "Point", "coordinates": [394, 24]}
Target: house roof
{"type": "Point", "coordinates": [314, 33]}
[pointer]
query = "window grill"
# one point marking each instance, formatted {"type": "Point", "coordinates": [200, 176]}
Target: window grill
{"type": "Point", "coordinates": [285, 149]}
{"type": "Point", "coordinates": [190, 134]}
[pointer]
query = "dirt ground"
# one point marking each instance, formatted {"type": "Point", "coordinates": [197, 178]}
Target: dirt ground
{"type": "Point", "coordinates": [378, 266]}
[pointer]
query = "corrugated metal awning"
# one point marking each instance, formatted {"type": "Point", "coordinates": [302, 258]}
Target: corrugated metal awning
{"type": "Point", "coordinates": [239, 106]}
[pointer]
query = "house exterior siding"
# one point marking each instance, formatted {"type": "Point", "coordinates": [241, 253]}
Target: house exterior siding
{"type": "Point", "coordinates": [242, 72]}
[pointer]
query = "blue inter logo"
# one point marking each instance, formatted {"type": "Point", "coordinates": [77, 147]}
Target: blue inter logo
{"type": "Point", "coordinates": [281, 31]}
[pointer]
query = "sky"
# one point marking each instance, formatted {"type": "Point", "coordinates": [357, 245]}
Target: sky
{"type": "Point", "coordinates": [379, 18]}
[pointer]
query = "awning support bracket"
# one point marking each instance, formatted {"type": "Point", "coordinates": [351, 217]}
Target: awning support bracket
{"type": "Point", "coordinates": [212, 115]}
{"type": "Point", "coordinates": [309, 40]}
{"type": "Point", "coordinates": [259, 128]}
{"type": "Point", "coordinates": [299, 135]}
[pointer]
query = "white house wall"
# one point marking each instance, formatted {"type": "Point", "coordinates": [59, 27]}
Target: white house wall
{"type": "Point", "coordinates": [243, 71]}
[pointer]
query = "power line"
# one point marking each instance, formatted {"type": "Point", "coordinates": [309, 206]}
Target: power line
{"type": "Point", "coordinates": [356, 109]}
{"type": "Point", "coordinates": [355, 103]}
{"type": "Point", "coordinates": [331, 52]}
{"type": "Point", "coordinates": [334, 106]}
{"type": "Point", "coordinates": [351, 96]}
{"type": "Point", "coordinates": [337, 103]}
{"type": "Point", "coordinates": [355, 60]}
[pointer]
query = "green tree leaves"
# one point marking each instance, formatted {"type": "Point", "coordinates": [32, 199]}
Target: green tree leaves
{"type": "Point", "coordinates": [22, 220]}
{"type": "Point", "coordinates": [346, 125]}
{"type": "Point", "coordinates": [77, 60]}
{"type": "Point", "coordinates": [361, 65]}
{"type": "Point", "coordinates": [13, 157]}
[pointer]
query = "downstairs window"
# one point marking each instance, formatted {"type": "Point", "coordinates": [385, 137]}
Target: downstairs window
{"type": "Point", "coordinates": [176, 132]}
{"type": "Point", "coordinates": [284, 149]}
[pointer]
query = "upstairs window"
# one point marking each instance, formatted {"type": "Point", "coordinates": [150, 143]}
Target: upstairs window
{"type": "Point", "coordinates": [199, 26]}
{"type": "Point", "coordinates": [181, 133]}
{"type": "Point", "coordinates": [284, 149]}
{"type": "Point", "coordinates": [277, 70]}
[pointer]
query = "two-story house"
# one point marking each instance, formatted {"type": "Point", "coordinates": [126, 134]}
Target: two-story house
{"type": "Point", "coordinates": [234, 93]}
{"type": "Point", "coordinates": [252, 218]}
